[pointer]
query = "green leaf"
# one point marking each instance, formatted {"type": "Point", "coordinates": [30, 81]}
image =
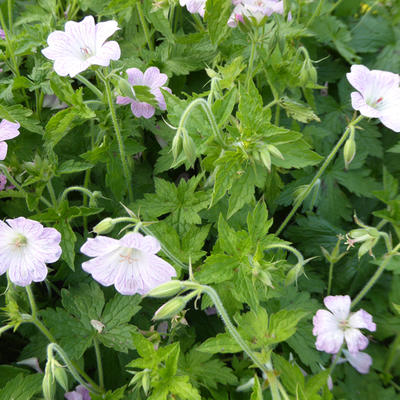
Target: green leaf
{"type": "Point", "coordinates": [298, 110]}
{"type": "Point", "coordinates": [72, 166]}
{"type": "Point", "coordinates": [9, 372]}
{"type": "Point", "coordinates": [203, 369]}
{"type": "Point", "coordinates": [223, 107]}
{"type": "Point", "coordinates": [222, 343]}
{"type": "Point", "coordinates": [20, 114]}
{"type": "Point", "coordinates": [68, 240]}
{"type": "Point", "coordinates": [120, 310]}
{"type": "Point", "coordinates": [258, 222]}
{"type": "Point", "coordinates": [22, 387]}
{"type": "Point", "coordinates": [217, 15]}
{"type": "Point", "coordinates": [257, 392]}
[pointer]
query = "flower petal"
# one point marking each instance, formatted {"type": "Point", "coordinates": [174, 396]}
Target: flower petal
{"type": "Point", "coordinates": [99, 246]}
{"type": "Point", "coordinates": [104, 269]}
{"type": "Point", "coordinates": [135, 76]}
{"type": "Point", "coordinates": [358, 103]}
{"type": "Point", "coordinates": [355, 340]}
{"type": "Point", "coordinates": [123, 100]}
{"type": "Point", "coordinates": [339, 305]}
{"type": "Point", "coordinates": [27, 227]}
{"type": "Point", "coordinates": [109, 51]}
{"type": "Point", "coordinates": [70, 66]}
{"type": "Point", "coordinates": [141, 109]}
{"type": "Point", "coordinates": [3, 150]}
{"type": "Point", "coordinates": [8, 130]}
{"type": "Point", "coordinates": [330, 342]}
{"type": "Point", "coordinates": [153, 78]}
{"type": "Point", "coordinates": [104, 30]}
{"type": "Point", "coordinates": [362, 319]}
{"type": "Point", "coordinates": [324, 321]}
{"type": "Point", "coordinates": [360, 361]}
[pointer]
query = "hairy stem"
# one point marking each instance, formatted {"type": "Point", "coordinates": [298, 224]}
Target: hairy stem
{"type": "Point", "coordinates": [125, 167]}
{"type": "Point", "coordinates": [99, 362]}
{"type": "Point", "coordinates": [319, 173]}
{"type": "Point", "coordinates": [144, 25]}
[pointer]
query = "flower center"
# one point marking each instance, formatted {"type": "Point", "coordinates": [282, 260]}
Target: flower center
{"type": "Point", "coordinates": [20, 241]}
{"type": "Point", "coordinates": [343, 325]}
{"type": "Point", "coordinates": [86, 52]}
{"type": "Point", "coordinates": [129, 255]}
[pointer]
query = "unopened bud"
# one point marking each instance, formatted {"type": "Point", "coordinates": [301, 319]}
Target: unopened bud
{"type": "Point", "coordinates": [176, 145]}
{"type": "Point", "coordinates": [104, 226]}
{"type": "Point", "coordinates": [48, 385]}
{"type": "Point", "coordinates": [61, 376]}
{"type": "Point", "coordinates": [349, 150]}
{"type": "Point", "coordinates": [189, 147]}
{"type": "Point", "coordinates": [170, 309]}
{"type": "Point", "coordinates": [167, 289]}
{"type": "Point", "coordinates": [293, 274]}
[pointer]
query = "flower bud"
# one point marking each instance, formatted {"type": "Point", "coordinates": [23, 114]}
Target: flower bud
{"type": "Point", "coordinates": [104, 226]}
{"type": "Point", "coordinates": [176, 145]}
{"type": "Point", "coordinates": [189, 147]}
{"type": "Point", "coordinates": [167, 289]}
{"type": "Point", "coordinates": [61, 376]}
{"type": "Point", "coordinates": [293, 274]}
{"type": "Point", "coordinates": [349, 149]}
{"type": "Point", "coordinates": [170, 309]}
{"type": "Point", "coordinates": [48, 385]}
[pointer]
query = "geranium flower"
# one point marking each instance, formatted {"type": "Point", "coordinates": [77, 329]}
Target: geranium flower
{"type": "Point", "coordinates": [3, 181]}
{"type": "Point", "coordinates": [334, 326]}
{"type": "Point", "coordinates": [2, 34]}
{"type": "Point", "coordinates": [8, 130]}
{"type": "Point", "coordinates": [81, 45]}
{"type": "Point", "coordinates": [25, 248]}
{"type": "Point", "coordinates": [257, 9]}
{"type": "Point", "coordinates": [129, 263]}
{"type": "Point", "coordinates": [80, 393]}
{"type": "Point", "coordinates": [378, 95]}
{"type": "Point", "coordinates": [154, 80]}
{"type": "Point", "coordinates": [194, 6]}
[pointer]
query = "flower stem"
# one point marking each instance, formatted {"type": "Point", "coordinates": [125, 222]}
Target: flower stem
{"type": "Point", "coordinates": [4, 169]}
{"type": "Point", "coordinates": [118, 135]}
{"type": "Point", "coordinates": [372, 280]}
{"type": "Point", "coordinates": [394, 348]}
{"type": "Point", "coordinates": [36, 321]}
{"type": "Point", "coordinates": [322, 169]}
{"type": "Point", "coordinates": [85, 191]}
{"type": "Point", "coordinates": [99, 362]}
{"type": "Point", "coordinates": [299, 256]}
{"type": "Point", "coordinates": [144, 25]}
{"type": "Point", "coordinates": [316, 13]}
{"type": "Point", "coordinates": [331, 265]}
{"type": "Point", "coordinates": [75, 372]}
{"type": "Point", "coordinates": [251, 61]}
{"type": "Point", "coordinates": [210, 116]}
{"type": "Point", "coordinates": [5, 328]}
{"type": "Point", "coordinates": [231, 328]}
{"type": "Point", "coordinates": [90, 86]}
{"type": "Point", "coordinates": [52, 193]}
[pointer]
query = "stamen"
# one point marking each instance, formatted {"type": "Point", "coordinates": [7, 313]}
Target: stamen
{"type": "Point", "coordinates": [379, 100]}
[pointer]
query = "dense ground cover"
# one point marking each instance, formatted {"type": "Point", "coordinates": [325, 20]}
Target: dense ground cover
{"type": "Point", "coordinates": [199, 200]}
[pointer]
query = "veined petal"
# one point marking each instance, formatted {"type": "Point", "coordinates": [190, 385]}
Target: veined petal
{"type": "Point", "coordinates": [358, 77]}
{"type": "Point", "coordinates": [124, 100]}
{"type": "Point", "coordinates": [70, 66]}
{"type": "Point", "coordinates": [99, 246]}
{"type": "Point", "coordinates": [29, 228]}
{"type": "Point", "coordinates": [104, 269]}
{"type": "Point", "coordinates": [324, 321]}
{"type": "Point", "coordinates": [109, 51]}
{"type": "Point", "coordinates": [82, 33]}
{"type": "Point", "coordinates": [158, 272]}
{"type": "Point", "coordinates": [355, 340]}
{"type": "Point", "coordinates": [390, 116]}
{"type": "Point", "coordinates": [24, 269]}
{"type": "Point", "coordinates": [360, 361]}
{"type": "Point", "coordinates": [129, 279]}
{"type": "Point", "coordinates": [358, 103]}
{"type": "Point", "coordinates": [141, 109]}
{"type": "Point", "coordinates": [150, 245]}
{"type": "Point", "coordinates": [330, 342]}
{"type": "Point", "coordinates": [104, 30]}
{"type": "Point", "coordinates": [135, 76]}
{"type": "Point", "coordinates": [339, 305]}
{"type": "Point", "coordinates": [153, 78]}
{"type": "Point", "coordinates": [362, 319]}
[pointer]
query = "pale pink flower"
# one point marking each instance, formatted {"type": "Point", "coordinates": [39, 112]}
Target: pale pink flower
{"type": "Point", "coordinates": [129, 263]}
{"type": "Point", "coordinates": [338, 325]}
{"type": "Point", "coordinates": [2, 34]}
{"type": "Point", "coordinates": [81, 45]}
{"type": "Point", "coordinates": [154, 80]}
{"type": "Point", "coordinates": [25, 248]}
{"type": "Point", "coordinates": [80, 393]}
{"type": "Point", "coordinates": [257, 9]}
{"type": "Point", "coordinates": [194, 6]}
{"type": "Point", "coordinates": [8, 130]}
{"type": "Point", "coordinates": [378, 95]}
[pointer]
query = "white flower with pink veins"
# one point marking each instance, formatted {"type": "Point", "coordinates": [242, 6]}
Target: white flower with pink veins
{"type": "Point", "coordinates": [81, 45]}
{"type": "Point", "coordinates": [194, 6]}
{"type": "Point", "coordinates": [130, 264]}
